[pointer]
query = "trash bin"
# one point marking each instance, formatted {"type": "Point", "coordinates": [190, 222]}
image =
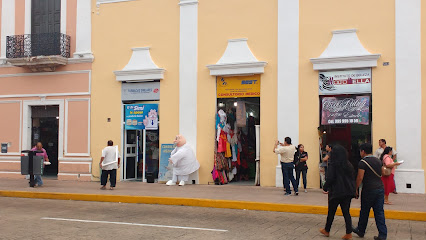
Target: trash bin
{"type": "Point", "coordinates": [150, 178]}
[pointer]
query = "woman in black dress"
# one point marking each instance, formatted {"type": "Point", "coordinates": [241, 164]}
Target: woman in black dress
{"type": "Point", "coordinates": [340, 185]}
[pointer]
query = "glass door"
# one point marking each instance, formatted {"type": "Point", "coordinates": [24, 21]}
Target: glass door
{"type": "Point", "coordinates": [131, 154]}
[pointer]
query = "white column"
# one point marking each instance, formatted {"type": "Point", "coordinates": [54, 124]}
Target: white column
{"type": "Point", "coordinates": [288, 74]}
{"type": "Point", "coordinates": [27, 17]}
{"type": "Point", "coordinates": [408, 95]}
{"type": "Point", "coordinates": [64, 16]}
{"type": "Point", "coordinates": [188, 71]}
{"type": "Point", "coordinates": [83, 39]}
{"type": "Point", "coordinates": [7, 25]}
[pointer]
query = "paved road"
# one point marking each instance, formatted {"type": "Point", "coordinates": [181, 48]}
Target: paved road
{"type": "Point", "coordinates": [56, 219]}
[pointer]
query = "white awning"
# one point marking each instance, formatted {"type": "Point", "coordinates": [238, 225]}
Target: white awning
{"type": "Point", "coordinates": [140, 68]}
{"type": "Point", "coordinates": [237, 60]}
{"type": "Point", "coordinates": [345, 51]}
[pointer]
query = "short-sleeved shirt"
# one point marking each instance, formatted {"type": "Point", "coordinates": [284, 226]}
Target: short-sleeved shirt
{"type": "Point", "coordinates": [371, 181]}
{"type": "Point", "coordinates": [388, 160]}
{"type": "Point", "coordinates": [110, 161]}
{"type": "Point", "coordinates": [379, 152]}
{"type": "Point", "coordinates": [324, 163]}
{"type": "Point", "coordinates": [286, 152]}
{"type": "Point", "coordinates": [300, 165]}
{"type": "Point", "coordinates": [44, 154]}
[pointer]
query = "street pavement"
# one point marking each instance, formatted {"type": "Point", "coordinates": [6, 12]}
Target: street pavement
{"type": "Point", "coordinates": [314, 197]}
{"type": "Point", "coordinates": [61, 219]}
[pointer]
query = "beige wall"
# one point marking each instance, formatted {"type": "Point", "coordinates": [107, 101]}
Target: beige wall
{"type": "Point", "coordinates": [218, 23]}
{"type": "Point", "coordinates": [376, 31]}
{"type": "Point", "coordinates": [117, 29]}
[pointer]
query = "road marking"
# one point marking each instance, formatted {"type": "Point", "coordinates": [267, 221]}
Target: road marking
{"type": "Point", "coordinates": [134, 224]}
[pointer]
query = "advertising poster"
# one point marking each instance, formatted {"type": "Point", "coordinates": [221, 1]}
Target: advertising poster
{"type": "Point", "coordinates": [345, 82]}
{"type": "Point", "coordinates": [141, 116]}
{"type": "Point", "coordinates": [353, 110]}
{"type": "Point", "coordinates": [233, 87]}
{"type": "Point", "coordinates": [165, 172]}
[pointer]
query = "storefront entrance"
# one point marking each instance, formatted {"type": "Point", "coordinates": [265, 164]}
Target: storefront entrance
{"type": "Point", "coordinates": [238, 114]}
{"type": "Point", "coordinates": [346, 110]}
{"type": "Point", "coordinates": [141, 146]}
{"type": "Point", "coordinates": [45, 125]}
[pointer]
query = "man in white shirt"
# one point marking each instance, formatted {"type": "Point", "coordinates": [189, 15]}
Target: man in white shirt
{"type": "Point", "coordinates": [287, 151]}
{"type": "Point", "coordinates": [382, 146]}
{"type": "Point", "coordinates": [110, 161]}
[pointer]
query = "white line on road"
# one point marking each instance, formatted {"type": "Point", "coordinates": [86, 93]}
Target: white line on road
{"type": "Point", "coordinates": [134, 224]}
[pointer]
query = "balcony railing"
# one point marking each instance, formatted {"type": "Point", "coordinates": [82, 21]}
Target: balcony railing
{"type": "Point", "coordinates": [42, 44]}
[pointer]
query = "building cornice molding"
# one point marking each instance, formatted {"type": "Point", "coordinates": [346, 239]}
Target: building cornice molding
{"type": "Point", "coordinates": [188, 2]}
{"type": "Point", "coordinates": [345, 51]}
{"type": "Point", "coordinates": [140, 68]}
{"type": "Point", "coordinates": [237, 60]}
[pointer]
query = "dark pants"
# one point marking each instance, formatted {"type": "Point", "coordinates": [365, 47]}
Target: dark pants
{"type": "Point", "coordinates": [373, 199]}
{"type": "Point", "coordinates": [345, 204]}
{"type": "Point", "coordinates": [112, 177]}
{"type": "Point", "coordinates": [304, 172]}
{"type": "Point", "coordinates": [287, 169]}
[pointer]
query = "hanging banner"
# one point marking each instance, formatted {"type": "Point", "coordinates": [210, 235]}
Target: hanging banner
{"type": "Point", "coordinates": [165, 172]}
{"type": "Point", "coordinates": [345, 110]}
{"type": "Point", "coordinates": [141, 116]}
{"type": "Point", "coordinates": [345, 82]}
{"type": "Point", "coordinates": [238, 87]}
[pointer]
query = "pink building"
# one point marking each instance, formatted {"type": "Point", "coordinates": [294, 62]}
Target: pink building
{"type": "Point", "coordinates": [45, 79]}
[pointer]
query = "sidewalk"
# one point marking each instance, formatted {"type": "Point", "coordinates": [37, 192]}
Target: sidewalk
{"type": "Point", "coordinates": [405, 206]}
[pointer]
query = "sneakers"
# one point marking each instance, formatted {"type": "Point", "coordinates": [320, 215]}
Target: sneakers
{"type": "Point", "coordinates": [296, 193]}
{"type": "Point", "coordinates": [287, 194]}
{"type": "Point", "coordinates": [182, 183]}
{"type": "Point", "coordinates": [325, 233]}
{"type": "Point", "coordinates": [347, 237]}
{"type": "Point", "coordinates": [170, 183]}
{"type": "Point", "coordinates": [378, 238]}
{"type": "Point", "coordinates": [357, 232]}
{"type": "Point", "coordinates": [306, 191]}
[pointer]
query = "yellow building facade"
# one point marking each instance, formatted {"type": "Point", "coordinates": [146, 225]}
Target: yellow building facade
{"type": "Point", "coordinates": [174, 54]}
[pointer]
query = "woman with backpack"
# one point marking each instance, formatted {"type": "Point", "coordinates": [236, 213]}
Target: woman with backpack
{"type": "Point", "coordinates": [388, 181]}
{"type": "Point", "coordinates": [340, 185]}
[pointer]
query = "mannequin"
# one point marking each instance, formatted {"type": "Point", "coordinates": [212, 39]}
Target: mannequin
{"type": "Point", "coordinates": [183, 160]}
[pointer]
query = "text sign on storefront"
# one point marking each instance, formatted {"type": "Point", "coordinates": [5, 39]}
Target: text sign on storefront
{"type": "Point", "coordinates": [141, 116]}
{"type": "Point", "coordinates": [345, 110]}
{"type": "Point", "coordinates": [345, 82]}
{"type": "Point", "coordinates": [165, 171]}
{"type": "Point", "coordinates": [238, 87]}
{"type": "Point", "coordinates": [140, 91]}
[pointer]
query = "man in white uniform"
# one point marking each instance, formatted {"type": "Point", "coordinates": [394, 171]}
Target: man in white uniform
{"type": "Point", "coordinates": [110, 161]}
{"type": "Point", "coordinates": [183, 160]}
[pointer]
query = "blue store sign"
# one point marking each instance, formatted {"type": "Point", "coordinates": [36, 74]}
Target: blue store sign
{"type": "Point", "coordinates": [141, 116]}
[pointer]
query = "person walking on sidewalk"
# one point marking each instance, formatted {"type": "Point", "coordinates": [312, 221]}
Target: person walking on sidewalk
{"type": "Point", "coordinates": [372, 196]}
{"type": "Point", "coordinates": [39, 147]}
{"type": "Point", "coordinates": [378, 154]}
{"type": "Point", "coordinates": [300, 158]}
{"type": "Point", "coordinates": [340, 185]}
{"type": "Point", "coordinates": [110, 161]}
{"type": "Point", "coordinates": [287, 151]}
{"type": "Point", "coordinates": [388, 181]}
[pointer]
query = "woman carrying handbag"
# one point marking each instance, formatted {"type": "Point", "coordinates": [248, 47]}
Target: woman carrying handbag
{"type": "Point", "coordinates": [387, 174]}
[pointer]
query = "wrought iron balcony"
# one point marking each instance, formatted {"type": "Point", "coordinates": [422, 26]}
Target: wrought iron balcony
{"type": "Point", "coordinates": [39, 52]}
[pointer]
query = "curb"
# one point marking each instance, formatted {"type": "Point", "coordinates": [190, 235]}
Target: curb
{"type": "Point", "coordinates": [211, 203]}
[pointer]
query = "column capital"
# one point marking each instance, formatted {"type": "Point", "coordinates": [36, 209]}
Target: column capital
{"type": "Point", "coordinates": [188, 2]}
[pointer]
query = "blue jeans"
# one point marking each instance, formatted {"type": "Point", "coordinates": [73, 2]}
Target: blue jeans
{"type": "Point", "coordinates": [304, 172]}
{"type": "Point", "coordinates": [38, 180]}
{"type": "Point", "coordinates": [287, 170]}
{"type": "Point", "coordinates": [373, 199]}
